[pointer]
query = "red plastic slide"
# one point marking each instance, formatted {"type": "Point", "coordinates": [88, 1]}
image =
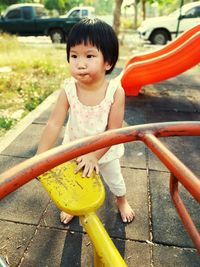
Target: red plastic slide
{"type": "Point", "coordinates": [178, 56]}
{"type": "Point", "coordinates": [167, 48]}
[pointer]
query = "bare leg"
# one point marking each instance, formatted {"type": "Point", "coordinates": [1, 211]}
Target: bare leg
{"type": "Point", "coordinates": [125, 209]}
{"type": "Point", "coordinates": [65, 217]}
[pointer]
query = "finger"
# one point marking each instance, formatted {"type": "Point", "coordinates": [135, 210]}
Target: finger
{"type": "Point", "coordinates": [85, 171]}
{"type": "Point", "coordinates": [79, 167]}
{"type": "Point", "coordinates": [90, 171]}
{"type": "Point", "coordinates": [97, 169]}
{"type": "Point", "coordinates": [79, 159]}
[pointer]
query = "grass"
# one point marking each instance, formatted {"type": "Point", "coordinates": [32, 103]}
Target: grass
{"type": "Point", "coordinates": [28, 74]}
{"type": "Point", "coordinates": [34, 73]}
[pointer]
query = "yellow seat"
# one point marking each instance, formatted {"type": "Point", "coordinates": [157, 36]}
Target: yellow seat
{"type": "Point", "coordinates": [82, 196]}
{"type": "Point", "coordinates": [71, 192]}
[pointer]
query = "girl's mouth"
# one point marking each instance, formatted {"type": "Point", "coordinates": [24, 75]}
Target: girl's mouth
{"type": "Point", "coordinates": [83, 75]}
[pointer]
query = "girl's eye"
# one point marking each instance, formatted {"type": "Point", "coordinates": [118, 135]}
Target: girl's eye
{"type": "Point", "coordinates": [90, 56]}
{"type": "Point", "coordinates": [73, 56]}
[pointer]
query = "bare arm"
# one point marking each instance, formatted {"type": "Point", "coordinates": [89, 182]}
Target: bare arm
{"type": "Point", "coordinates": [54, 124]}
{"type": "Point", "coordinates": [90, 161]}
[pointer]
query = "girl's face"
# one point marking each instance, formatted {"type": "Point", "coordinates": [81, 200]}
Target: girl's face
{"type": "Point", "coordinates": [87, 64]}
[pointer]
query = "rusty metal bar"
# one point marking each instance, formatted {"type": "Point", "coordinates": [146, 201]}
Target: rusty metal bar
{"type": "Point", "coordinates": [180, 171]}
{"type": "Point", "coordinates": [183, 213]}
{"type": "Point", "coordinates": [24, 172]}
{"type": "Point", "coordinates": [148, 133]}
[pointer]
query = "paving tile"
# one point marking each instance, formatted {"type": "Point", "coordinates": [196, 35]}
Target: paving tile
{"type": "Point", "coordinates": [14, 239]}
{"type": "Point", "coordinates": [181, 147]}
{"type": "Point", "coordinates": [188, 78]}
{"type": "Point", "coordinates": [169, 116]}
{"type": "Point", "coordinates": [137, 195]}
{"type": "Point", "coordinates": [134, 156]}
{"type": "Point", "coordinates": [134, 115]}
{"type": "Point", "coordinates": [154, 163]}
{"type": "Point", "coordinates": [7, 162]}
{"type": "Point", "coordinates": [172, 256]}
{"type": "Point", "coordinates": [136, 181]}
{"type": "Point", "coordinates": [31, 202]}
{"type": "Point", "coordinates": [45, 249]}
{"type": "Point", "coordinates": [135, 254]}
{"type": "Point", "coordinates": [187, 149]}
{"type": "Point", "coordinates": [51, 218]}
{"type": "Point", "coordinates": [25, 145]}
{"type": "Point", "coordinates": [167, 226]}
{"type": "Point", "coordinates": [42, 119]}
{"type": "Point", "coordinates": [53, 244]}
{"type": "Point", "coordinates": [56, 248]}
{"type": "Point", "coordinates": [159, 103]}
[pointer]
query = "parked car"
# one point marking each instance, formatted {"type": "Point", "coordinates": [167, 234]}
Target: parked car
{"type": "Point", "coordinates": [31, 20]}
{"type": "Point", "coordinates": [80, 12]}
{"type": "Point", "coordinates": [160, 30]}
{"type": "Point", "coordinates": [87, 11]}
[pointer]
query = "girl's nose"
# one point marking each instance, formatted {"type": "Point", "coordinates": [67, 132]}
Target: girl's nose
{"type": "Point", "coordinates": [81, 64]}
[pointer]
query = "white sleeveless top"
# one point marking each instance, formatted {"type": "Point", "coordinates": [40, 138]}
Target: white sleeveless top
{"type": "Point", "coordinates": [86, 121]}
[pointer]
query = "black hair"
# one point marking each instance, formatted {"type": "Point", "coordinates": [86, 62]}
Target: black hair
{"type": "Point", "coordinates": [97, 33]}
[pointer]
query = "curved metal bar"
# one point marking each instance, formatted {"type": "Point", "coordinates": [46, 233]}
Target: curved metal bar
{"type": "Point", "coordinates": [148, 133]}
{"type": "Point", "coordinates": [24, 172]}
{"type": "Point", "coordinates": [176, 167]}
{"type": "Point", "coordinates": [183, 213]}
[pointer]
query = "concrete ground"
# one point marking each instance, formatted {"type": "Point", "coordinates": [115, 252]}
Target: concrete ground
{"type": "Point", "coordinates": [31, 234]}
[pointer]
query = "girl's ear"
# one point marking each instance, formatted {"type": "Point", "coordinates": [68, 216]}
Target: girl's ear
{"type": "Point", "coordinates": [107, 66]}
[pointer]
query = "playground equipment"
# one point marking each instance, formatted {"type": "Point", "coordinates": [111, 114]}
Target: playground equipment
{"type": "Point", "coordinates": [165, 49]}
{"type": "Point", "coordinates": [149, 134]}
{"type": "Point", "coordinates": [81, 197]}
{"type": "Point", "coordinates": [178, 56]}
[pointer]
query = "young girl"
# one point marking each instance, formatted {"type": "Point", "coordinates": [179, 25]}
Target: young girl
{"type": "Point", "coordinates": [94, 104]}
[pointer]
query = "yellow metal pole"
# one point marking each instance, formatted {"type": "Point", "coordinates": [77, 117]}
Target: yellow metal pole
{"type": "Point", "coordinates": [107, 253]}
{"type": "Point", "coordinates": [97, 260]}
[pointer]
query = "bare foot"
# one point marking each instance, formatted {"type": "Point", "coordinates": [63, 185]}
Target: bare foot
{"type": "Point", "coordinates": [65, 217]}
{"type": "Point", "coordinates": [127, 214]}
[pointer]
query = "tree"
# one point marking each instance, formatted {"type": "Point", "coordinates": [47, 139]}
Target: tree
{"type": "Point", "coordinates": [165, 5]}
{"type": "Point", "coordinates": [61, 5]}
{"type": "Point", "coordinates": [117, 14]}
{"type": "Point", "coordinates": [103, 7]}
{"type": "Point", "coordinates": [5, 3]}
{"type": "Point", "coordinates": [8, 2]}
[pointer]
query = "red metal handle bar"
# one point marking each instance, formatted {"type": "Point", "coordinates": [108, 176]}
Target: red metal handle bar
{"type": "Point", "coordinates": [183, 213]}
{"type": "Point", "coordinates": [179, 170]}
{"type": "Point", "coordinates": [22, 173]}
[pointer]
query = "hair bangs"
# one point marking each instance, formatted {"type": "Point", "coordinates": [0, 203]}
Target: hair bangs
{"type": "Point", "coordinates": [98, 34]}
{"type": "Point", "coordinates": [84, 34]}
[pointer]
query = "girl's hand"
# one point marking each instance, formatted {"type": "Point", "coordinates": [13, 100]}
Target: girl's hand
{"type": "Point", "coordinates": [88, 163]}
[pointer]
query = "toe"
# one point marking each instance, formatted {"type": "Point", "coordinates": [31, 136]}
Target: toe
{"type": "Point", "coordinates": [65, 218]}
{"type": "Point", "coordinates": [124, 219]}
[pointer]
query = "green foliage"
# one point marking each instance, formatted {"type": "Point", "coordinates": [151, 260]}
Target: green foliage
{"type": "Point", "coordinates": [62, 6]}
{"type": "Point", "coordinates": [104, 7]}
{"type": "Point", "coordinates": [34, 98]}
{"type": "Point", "coordinates": [9, 2]}
{"type": "Point", "coordinates": [55, 4]}
{"type": "Point", "coordinates": [35, 72]}
{"type": "Point", "coordinates": [171, 4]}
{"type": "Point", "coordinates": [6, 123]}
{"type": "Point", "coordinates": [2, 8]}
{"type": "Point", "coordinates": [5, 3]}
{"type": "Point", "coordinates": [101, 7]}
{"type": "Point", "coordinates": [8, 42]}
